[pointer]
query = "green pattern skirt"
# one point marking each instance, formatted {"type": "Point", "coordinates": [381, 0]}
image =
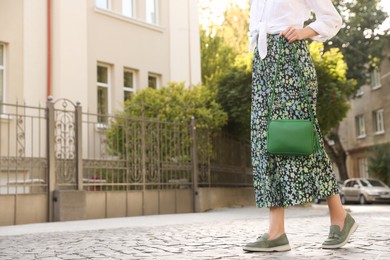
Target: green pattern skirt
{"type": "Point", "coordinates": [284, 180]}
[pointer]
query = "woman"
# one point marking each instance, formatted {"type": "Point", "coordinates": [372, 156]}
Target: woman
{"type": "Point", "coordinates": [282, 181]}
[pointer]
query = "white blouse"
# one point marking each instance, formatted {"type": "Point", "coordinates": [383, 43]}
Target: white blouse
{"type": "Point", "coordinates": [274, 16]}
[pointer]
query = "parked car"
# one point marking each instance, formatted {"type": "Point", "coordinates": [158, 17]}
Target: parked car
{"type": "Point", "coordinates": [365, 190]}
{"type": "Point", "coordinates": [339, 185]}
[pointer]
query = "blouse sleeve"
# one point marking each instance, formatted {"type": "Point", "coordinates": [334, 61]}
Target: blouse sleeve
{"type": "Point", "coordinates": [328, 21]}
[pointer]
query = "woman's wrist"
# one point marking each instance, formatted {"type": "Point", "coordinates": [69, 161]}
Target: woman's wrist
{"type": "Point", "coordinates": [293, 34]}
{"type": "Point", "coordinates": [308, 32]}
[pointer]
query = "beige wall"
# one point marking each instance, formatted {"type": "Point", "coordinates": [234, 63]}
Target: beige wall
{"type": "Point", "coordinates": [366, 104]}
{"type": "Point", "coordinates": [185, 42]}
{"type": "Point", "coordinates": [34, 52]}
{"type": "Point", "coordinates": [83, 35]}
{"type": "Point", "coordinates": [11, 33]}
{"type": "Point", "coordinates": [69, 47]}
{"type": "Point", "coordinates": [77, 205]}
{"type": "Point", "coordinates": [121, 42]}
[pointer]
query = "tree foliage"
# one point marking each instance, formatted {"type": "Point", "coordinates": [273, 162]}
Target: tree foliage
{"type": "Point", "coordinates": [165, 114]}
{"type": "Point", "coordinates": [379, 162]}
{"type": "Point", "coordinates": [334, 89]}
{"type": "Point", "coordinates": [360, 39]}
{"type": "Point", "coordinates": [216, 56]}
{"type": "Point", "coordinates": [234, 94]}
{"type": "Point", "coordinates": [226, 68]}
{"type": "Point", "coordinates": [175, 103]}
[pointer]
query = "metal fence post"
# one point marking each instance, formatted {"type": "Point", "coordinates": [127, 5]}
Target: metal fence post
{"type": "Point", "coordinates": [194, 155]}
{"type": "Point", "coordinates": [79, 145]}
{"type": "Point", "coordinates": [51, 168]}
{"type": "Point", "coordinates": [143, 157]}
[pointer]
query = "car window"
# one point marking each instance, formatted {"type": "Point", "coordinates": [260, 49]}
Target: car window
{"type": "Point", "coordinates": [375, 183]}
{"type": "Point", "coordinates": [364, 183]}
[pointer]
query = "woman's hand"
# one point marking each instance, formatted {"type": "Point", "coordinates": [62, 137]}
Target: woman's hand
{"type": "Point", "coordinates": [293, 34]}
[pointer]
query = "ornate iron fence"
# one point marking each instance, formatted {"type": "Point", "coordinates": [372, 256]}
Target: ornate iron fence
{"type": "Point", "coordinates": [23, 151]}
{"type": "Point", "coordinates": [59, 147]}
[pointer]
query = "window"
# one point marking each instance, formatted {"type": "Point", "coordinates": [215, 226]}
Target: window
{"type": "Point", "coordinates": [103, 87]}
{"type": "Point", "coordinates": [360, 127]}
{"type": "Point", "coordinates": [128, 83]}
{"type": "Point", "coordinates": [379, 122]}
{"type": "Point", "coordinates": [128, 8]}
{"type": "Point", "coordinates": [153, 81]}
{"type": "Point", "coordinates": [151, 11]}
{"type": "Point", "coordinates": [375, 79]}
{"type": "Point", "coordinates": [363, 167]}
{"type": "Point", "coordinates": [2, 74]}
{"type": "Point", "coordinates": [104, 4]}
{"type": "Point", "coordinates": [359, 92]}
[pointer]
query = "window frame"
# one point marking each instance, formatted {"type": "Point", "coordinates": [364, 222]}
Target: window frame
{"type": "Point", "coordinates": [379, 121]}
{"type": "Point", "coordinates": [158, 79]}
{"type": "Point", "coordinates": [126, 88]}
{"type": "Point", "coordinates": [360, 126]}
{"type": "Point", "coordinates": [108, 87]}
{"type": "Point", "coordinates": [108, 5]}
{"type": "Point", "coordinates": [359, 92]}
{"type": "Point", "coordinates": [133, 9]}
{"type": "Point", "coordinates": [375, 79]}
{"type": "Point", "coordinates": [156, 16]}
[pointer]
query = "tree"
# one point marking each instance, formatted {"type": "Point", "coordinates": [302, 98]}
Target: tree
{"type": "Point", "coordinates": [217, 57]}
{"type": "Point", "coordinates": [226, 68]}
{"type": "Point", "coordinates": [234, 95]}
{"type": "Point", "coordinates": [379, 162]}
{"type": "Point", "coordinates": [225, 46]}
{"type": "Point", "coordinates": [360, 40]}
{"type": "Point", "coordinates": [334, 90]}
{"type": "Point", "coordinates": [361, 43]}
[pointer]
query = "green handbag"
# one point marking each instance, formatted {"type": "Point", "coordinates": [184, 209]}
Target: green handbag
{"type": "Point", "coordinates": [292, 137]}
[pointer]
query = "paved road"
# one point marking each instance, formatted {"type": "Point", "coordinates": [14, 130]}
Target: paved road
{"type": "Point", "coordinates": [217, 234]}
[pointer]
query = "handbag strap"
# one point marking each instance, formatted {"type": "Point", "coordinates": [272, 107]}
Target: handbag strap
{"type": "Point", "coordinates": [270, 108]}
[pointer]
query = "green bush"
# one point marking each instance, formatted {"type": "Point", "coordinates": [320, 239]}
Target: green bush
{"type": "Point", "coordinates": [163, 116]}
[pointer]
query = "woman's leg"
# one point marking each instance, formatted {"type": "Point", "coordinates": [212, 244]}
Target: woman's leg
{"type": "Point", "coordinates": [342, 224]}
{"type": "Point", "coordinates": [275, 239]}
{"type": "Point", "coordinates": [276, 222]}
{"type": "Point", "coordinates": [336, 211]}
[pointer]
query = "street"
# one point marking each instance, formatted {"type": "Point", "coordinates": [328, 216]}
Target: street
{"type": "Point", "coordinates": [218, 234]}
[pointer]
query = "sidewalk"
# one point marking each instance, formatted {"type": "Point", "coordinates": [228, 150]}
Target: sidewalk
{"type": "Point", "coordinates": [217, 234]}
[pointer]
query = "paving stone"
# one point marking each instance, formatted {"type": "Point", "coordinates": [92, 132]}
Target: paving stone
{"type": "Point", "coordinates": [220, 235]}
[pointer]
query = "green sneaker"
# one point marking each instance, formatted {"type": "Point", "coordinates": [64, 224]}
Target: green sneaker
{"type": "Point", "coordinates": [262, 244]}
{"type": "Point", "coordinates": [337, 238]}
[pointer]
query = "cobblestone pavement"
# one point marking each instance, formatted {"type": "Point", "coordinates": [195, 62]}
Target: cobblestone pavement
{"type": "Point", "coordinates": [217, 234]}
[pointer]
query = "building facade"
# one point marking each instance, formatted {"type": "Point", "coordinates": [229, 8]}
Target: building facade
{"type": "Point", "coordinates": [368, 121]}
{"type": "Point", "coordinates": [97, 52]}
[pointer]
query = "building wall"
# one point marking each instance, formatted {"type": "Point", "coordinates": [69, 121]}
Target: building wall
{"type": "Point", "coordinates": [34, 41]}
{"type": "Point", "coordinates": [123, 42]}
{"type": "Point", "coordinates": [11, 34]}
{"type": "Point", "coordinates": [366, 104]}
{"type": "Point", "coordinates": [84, 35]}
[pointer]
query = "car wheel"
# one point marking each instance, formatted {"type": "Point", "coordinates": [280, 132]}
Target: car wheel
{"type": "Point", "coordinates": [362, 200]}
{"type": "Point", "coordinates": [343, 200]}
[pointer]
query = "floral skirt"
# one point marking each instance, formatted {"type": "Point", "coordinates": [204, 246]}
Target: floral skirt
{"type": "Point", "coordinates": [286, 180]}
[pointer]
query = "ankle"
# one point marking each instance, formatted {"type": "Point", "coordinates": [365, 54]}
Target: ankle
{"type": "Point", "coordinates": [274, 234]}
{"type": "Point", "coordinates": [339, 220]}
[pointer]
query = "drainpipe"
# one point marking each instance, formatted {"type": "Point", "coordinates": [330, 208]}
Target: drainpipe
{"type": "Point", "coordinates": [49, 48]}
